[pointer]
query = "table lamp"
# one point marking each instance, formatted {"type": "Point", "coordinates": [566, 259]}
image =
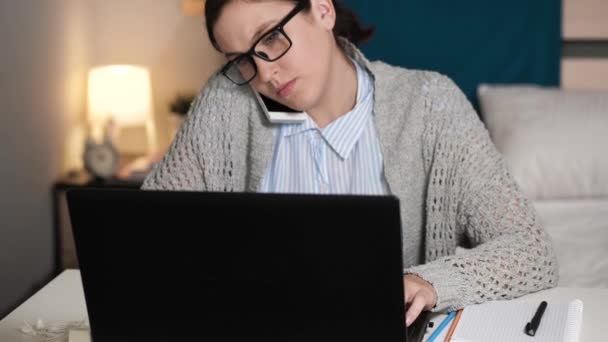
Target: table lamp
{"type": "Point", "coordinates": [118, 96]}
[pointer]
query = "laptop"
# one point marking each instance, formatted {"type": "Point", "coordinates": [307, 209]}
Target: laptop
{"type": "Point", "coordinates": [216, 266]}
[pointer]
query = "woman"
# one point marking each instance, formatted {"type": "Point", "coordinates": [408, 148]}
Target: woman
{"type": "Point", "coordinates": [371, 128]}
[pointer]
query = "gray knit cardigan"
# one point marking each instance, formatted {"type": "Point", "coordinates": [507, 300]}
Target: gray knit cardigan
{"type": "Point", "coordinates": [454, 187]}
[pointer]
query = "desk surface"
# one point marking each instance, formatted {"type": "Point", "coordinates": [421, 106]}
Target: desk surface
{"type": "Point", "coordinates": [63, 300]}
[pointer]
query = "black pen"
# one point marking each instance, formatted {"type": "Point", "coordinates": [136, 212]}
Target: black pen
{"type": "Point", "coordinates": [532, 326]}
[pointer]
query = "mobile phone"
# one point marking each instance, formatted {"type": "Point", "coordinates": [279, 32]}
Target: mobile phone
{"type": "Point", "coordinates": [277, 112]}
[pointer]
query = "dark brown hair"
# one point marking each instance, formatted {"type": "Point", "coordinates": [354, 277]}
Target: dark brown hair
{"type": "Point", "coordinates": [347, 23]}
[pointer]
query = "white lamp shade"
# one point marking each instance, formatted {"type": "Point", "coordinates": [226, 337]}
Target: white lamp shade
{"type": "Point", "coordinates": [120, 92]}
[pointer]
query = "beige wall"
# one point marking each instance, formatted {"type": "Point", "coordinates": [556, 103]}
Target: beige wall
{"type": "Point", "coordinates": [585, 73]}
{"type": "Point", "coordinates": [41, 90]}
{"type": "Point", "coordinates": [586, 19]}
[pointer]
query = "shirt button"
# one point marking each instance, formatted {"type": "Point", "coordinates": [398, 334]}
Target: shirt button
{"type": "Point", "coordinates": [324, 188]}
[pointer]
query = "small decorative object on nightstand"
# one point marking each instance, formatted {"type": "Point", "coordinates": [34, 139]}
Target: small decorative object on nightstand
{"type": "Point", "coordinates": [101, 160]}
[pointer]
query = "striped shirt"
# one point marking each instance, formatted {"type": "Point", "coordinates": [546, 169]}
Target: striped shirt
{"type": "Point", "coordinates": [342, 158]}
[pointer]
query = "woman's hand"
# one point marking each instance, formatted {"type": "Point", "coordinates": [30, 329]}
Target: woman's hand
{"type": "Point", "coordinates": [420, 294]}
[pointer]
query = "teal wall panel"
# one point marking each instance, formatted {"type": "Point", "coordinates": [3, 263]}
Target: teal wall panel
{"type": "Point", "coordinates": [472, 41]}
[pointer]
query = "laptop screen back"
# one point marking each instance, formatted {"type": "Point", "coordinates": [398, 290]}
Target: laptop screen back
{"type": "Point", "coordinates": [225, 265]}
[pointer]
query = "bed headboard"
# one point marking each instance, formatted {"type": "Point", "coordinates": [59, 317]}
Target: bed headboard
{"type": "Point", "coordinates": [471, 41]}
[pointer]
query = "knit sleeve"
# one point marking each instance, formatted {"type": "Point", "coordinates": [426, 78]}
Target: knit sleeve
{"type": "Point", "coordinates": [180, 169]}
{"type": "Point", "coordinates": [474, 200]}
{"type": "Point", "coordinates": [194, 158]}
{"type": "Point", "coordinates": [209, 150]}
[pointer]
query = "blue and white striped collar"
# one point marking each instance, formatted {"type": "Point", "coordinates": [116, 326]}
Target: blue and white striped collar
{"type": "Point", "coordinates": [343, 133]}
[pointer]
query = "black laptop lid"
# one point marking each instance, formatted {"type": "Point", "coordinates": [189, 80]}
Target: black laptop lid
{"type": "Point", "coordinates": [217, 266]}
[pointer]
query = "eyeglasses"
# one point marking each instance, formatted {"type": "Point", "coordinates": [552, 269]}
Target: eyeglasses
{"type": "Point", "coordinates": [269, 47]}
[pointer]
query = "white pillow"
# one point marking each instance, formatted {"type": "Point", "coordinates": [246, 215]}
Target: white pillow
{"type": "Point", "coordinates": [555, 141]}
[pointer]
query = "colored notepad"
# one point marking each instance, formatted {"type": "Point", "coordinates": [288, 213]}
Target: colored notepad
{"type": "Point", "coordinates": [505, 321]}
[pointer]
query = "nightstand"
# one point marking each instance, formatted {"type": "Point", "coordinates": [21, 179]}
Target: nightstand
{"type": "Point", "coordinates": [65, 251]}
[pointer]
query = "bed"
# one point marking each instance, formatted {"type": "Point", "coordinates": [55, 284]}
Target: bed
{"type": "Point", "coordinates": [579, 229]}
{"type": "Point", "coordinates": [555, 143]}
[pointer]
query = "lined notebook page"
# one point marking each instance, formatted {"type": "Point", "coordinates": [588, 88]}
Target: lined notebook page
{"type": "Point", "coordinates": [505, 321]}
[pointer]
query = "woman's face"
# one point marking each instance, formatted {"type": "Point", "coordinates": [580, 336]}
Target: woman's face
{"type": "Point", "coordinates": [304, 69]}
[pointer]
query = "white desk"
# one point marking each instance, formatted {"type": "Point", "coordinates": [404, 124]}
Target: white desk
{"type": "Point", "coordinates": [63, 300]}
{"type": "Point", "coordinates": [60, 300]}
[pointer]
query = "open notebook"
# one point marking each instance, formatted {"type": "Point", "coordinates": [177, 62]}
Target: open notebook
{"type": "Point", "coordinates": [505, 321]}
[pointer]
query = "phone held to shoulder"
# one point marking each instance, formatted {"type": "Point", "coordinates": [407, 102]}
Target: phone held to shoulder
{"type": "Point", "coordinates": [278, 113]}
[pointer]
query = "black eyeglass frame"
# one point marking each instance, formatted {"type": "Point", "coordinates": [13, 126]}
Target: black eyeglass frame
{"type": "Point", "coordinates": [251, 52]}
